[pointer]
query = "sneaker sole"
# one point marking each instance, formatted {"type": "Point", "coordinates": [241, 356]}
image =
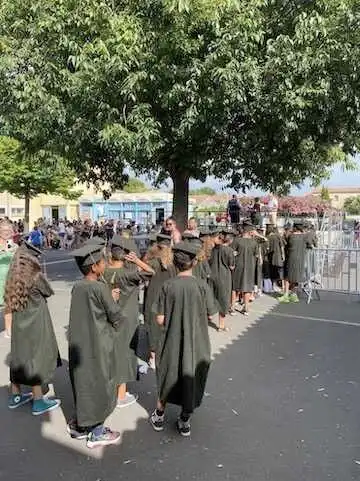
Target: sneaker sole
{"type": "Point", "coordinates": [120, 406]}
{"type": "Point", "coordinates": [98, 444]}
{"type": "Point", "coordinates": [20, 404]}
{"type": "Point", "coordinates": [52, 408]}
{"type": "Point", "coordinates": [156, 428]}
{"type": "Point", "coordinates": [184, 435]}
{"type": "Point", "coordinates": [74, 436]}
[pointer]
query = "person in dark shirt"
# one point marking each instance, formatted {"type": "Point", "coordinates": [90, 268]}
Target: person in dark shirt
{"type": "Point", "coordinates": [233, 210]}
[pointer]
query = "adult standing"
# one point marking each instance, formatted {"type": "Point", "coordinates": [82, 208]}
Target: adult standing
{"type": "Point", "coordinates": [62, 233]}
{"type": "Point", "coordinates": [7, 250]}
{"type": "Point", "coordinates": [192, 228]}
{"type": "Point", "coordinates": [233, 210]}
{"type": "Point", "coordinates": [172, 230]}
{"type": "Point", "coordinates": [273, 206]}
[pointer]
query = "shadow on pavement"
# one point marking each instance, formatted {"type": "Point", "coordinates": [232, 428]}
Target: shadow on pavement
{"type": "Point", "coordinates": [281, 405]}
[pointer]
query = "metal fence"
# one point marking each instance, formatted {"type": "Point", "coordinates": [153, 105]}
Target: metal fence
{"type": "Point", "coordinates": [332, 269]}
{"type": "Point", "coordinates": [339, 239]}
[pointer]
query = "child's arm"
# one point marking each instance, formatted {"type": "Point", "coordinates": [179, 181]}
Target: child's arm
{"type": "Point", "coordinates": [132, 257]}
{"type": "Point", "coordinates": [112, 309]}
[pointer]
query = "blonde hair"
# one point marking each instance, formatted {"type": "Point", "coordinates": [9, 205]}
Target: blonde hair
{"type": "Point", "coordinates": [161, 252]}
{"type": "Point", "coordinates": [208, 245]}
{"type": "Point", "coordinates": [23, 273]}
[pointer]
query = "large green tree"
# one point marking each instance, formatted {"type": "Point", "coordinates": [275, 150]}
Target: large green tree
{"type": "Point", "coordinates": [256, 93]}
{"type": "Point", "coordinates": [352, 205]}
{"type": "Point", "coordinates": [26, 176]}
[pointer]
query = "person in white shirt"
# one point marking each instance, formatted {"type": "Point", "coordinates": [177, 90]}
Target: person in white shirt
{"type": "Point", "coordinates": [273, 206]}
{"type": "Point", "coordinates": [62, 233]}
{"type": "Point", "coordinates": [70, 236]}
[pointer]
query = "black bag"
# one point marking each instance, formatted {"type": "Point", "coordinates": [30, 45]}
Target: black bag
{"type": "Point", "coordinates": [140, 343]}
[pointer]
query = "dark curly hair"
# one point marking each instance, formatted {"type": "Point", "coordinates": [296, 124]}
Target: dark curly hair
{"type": "Point", "coordinates": [23, 273]}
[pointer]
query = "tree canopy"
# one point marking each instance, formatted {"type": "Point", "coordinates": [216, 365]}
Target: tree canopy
{"type": "Point", "coordinates": [203, 191]}
{"type": "Point", "coordinates": [134, 186]}
{"type": "Point", "coordinates": [26, 176]}
{"type": "Point", "coordinates": [256, 93]}
{"type": "Point", "coordinates": [352, 205]}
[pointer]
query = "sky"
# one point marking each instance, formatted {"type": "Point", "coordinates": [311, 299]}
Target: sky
{"type": "Point", "coordinates": [339, 178]}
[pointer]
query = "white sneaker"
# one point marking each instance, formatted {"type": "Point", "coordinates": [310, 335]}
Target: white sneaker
{"type": "Point", "coordinates": [128, 401]}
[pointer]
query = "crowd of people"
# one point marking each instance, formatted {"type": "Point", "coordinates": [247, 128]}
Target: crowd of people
{"type": "Point", "coordinates": [189, 279]}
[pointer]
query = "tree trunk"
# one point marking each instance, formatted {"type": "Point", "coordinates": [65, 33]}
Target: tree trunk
{"type": "Point", "coordinates": [181, 198]}
{"type": "Point", "coordinates": [27, 213]}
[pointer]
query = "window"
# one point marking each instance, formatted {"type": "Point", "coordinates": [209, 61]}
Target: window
{"type": "Point", "coordinates": [2, 211]}
{"type": "Point", "coordinates": [17, 211]}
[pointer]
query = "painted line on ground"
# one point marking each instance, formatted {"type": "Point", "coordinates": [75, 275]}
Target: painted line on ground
{"type": "Point", "coordinates": [62, 261]}
{"type": "Point", "coordinates": [318, 319]}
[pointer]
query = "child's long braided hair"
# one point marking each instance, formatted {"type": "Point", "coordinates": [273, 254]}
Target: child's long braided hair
{"type": "Point", "coordinates": [23, 273]}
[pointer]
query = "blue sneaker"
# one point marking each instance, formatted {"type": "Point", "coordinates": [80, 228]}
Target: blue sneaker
{"type": "Point", "coordinates": [17, 400]}
{"type": "Point", "coordinates": [42, 406]}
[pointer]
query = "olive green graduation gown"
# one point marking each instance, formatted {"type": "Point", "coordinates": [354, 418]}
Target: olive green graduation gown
{"type": "Point", "coordinates": [183, 356]}
{"type": "Point", "coordinates": [128, 282]}
{"type": "Point", "coordinates": [161, 275]}
{"type": "Point", "coordinates": [245, 264]}
{"type": "Point", "coordinates": [34, 350]}
{"type": "Point", "coordinates": [94, 318]}
{"type": "Point", "coordinates": [295, 258]}
{"type": "Point", "coordinates": [221, 262]}
{"type": "Point", "coordinates": [202, 270]}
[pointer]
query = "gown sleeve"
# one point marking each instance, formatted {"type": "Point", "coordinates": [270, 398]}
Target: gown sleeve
{"type": "Point", "coordinates": [158, 307]}
{"type": "Point", "coordinates": [112, 309]}
{"type": "Point", "coordinates": [210, 301]}
{"type": "Point", "coordinates": [43, 286]}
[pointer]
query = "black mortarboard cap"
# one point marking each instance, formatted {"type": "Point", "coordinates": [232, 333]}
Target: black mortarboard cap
{"type": "Point", "coordinates": [227, 231]}
{"type": "Point", "coordinates": [164, 239]}
{"type": "Point", "coordinates": [96, 240]}
{"type": "Point", "coordinates": [298, 225]}
{"type": "Point", "coordinates": [126, 244]}
{"type": "Point", "coordinates": [189, 236]}
{"type": "Point", "coordinates": [194, 241]}
{"type": "Point", "coordinates": [188, 248]}
{"type": "Point", "coordinates": [89, 254]}
{"type": "Point", "coordinates": [204, 232]}
{"type": "Point", "coordinates": [30, 249]}
{"type": "Point", "coordinates": [248, 227]}
{"type": "Point", "coordinates": [153, 237]}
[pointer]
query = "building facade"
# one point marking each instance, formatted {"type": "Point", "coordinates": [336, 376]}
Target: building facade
{"type": "Point", "coordinates": [338, 195]}
{"type": "Point", "coordinates": [148, 207]}
{"type": "Point", "coordinates": [145, 208]}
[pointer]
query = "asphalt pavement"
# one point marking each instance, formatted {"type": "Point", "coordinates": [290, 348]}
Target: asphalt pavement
{"type": "Point", "coordinates": [281, 404]}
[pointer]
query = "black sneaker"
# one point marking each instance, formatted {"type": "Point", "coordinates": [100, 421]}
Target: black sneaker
{"type": "Point", "coordinates": [75, 431]}
{"type": "Point", "coordinates": [157, 422]}
{"type": "Point", "coordinates": [184, 427]}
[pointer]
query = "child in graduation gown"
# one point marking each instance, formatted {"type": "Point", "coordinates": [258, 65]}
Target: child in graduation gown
{"type": "Point", "coordinates": [94, 319]}
{"type": "Point", "coordinates": [34, 350]}
{"type": "Point", "coordinates": [202, 269]}
{"type": "Point", "coordinates": [222, 262]}
{"type": "Point", "coordinates": [245, 263]}
{"type": "Point", "coordinates": [294, 268]}
{"type": "Point", "coordinates": [127, 280]}
{"type": "Point", "coordinates": [183, 357]}
{"type": "Point", "coordinates": [160, 259]}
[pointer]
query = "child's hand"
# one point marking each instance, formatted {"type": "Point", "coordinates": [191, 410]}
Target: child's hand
{"type": "Point", "coordinates": [115, 294]}
{"type": "Point", "coordinates": [132, 257]}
